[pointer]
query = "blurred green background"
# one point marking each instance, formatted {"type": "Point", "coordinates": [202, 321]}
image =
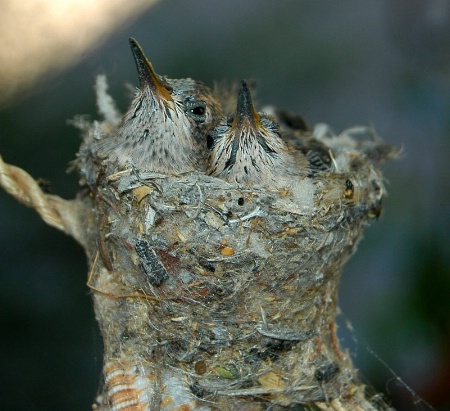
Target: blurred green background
{"type": "Point", "coordinates": [385, 63]}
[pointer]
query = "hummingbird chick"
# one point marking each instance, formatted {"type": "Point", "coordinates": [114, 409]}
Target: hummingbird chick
{"type": "Point", "coordinates": [164, 129]}
{"type": "Point", "coordinates": [247, 148]}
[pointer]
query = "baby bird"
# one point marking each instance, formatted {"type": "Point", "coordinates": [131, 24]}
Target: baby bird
{"type": "Point", "coordinates": [165, 127]}
{"type": "Point", "coordinates": [247, 148]}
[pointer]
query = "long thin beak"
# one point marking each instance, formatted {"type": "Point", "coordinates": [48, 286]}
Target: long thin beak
{"type": "Point", "coordinates": [147, 75]}
{"type": "Point", "coordinates": [245, 111]}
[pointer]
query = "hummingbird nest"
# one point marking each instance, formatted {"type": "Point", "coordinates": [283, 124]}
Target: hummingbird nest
{"type": "Point", "coordinates": [216, 243]}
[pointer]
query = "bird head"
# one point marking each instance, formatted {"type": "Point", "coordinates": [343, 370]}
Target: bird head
{"type": "Point", "coordinates": [247, 148]}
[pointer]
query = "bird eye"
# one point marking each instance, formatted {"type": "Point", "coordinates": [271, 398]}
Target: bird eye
{"type": "Point", "coordinates": [196, 109]}
{"type": "Point", "coordinates": [199, 111]}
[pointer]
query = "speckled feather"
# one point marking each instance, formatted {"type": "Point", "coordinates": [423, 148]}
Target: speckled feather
{"type": "Point", "coordinates": [247, 148]}
{"type": "Point", "coordinates": [164, 129]}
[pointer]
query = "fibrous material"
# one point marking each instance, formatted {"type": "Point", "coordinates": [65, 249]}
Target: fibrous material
{"type": "Point", "coordinates": [216, 295]}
